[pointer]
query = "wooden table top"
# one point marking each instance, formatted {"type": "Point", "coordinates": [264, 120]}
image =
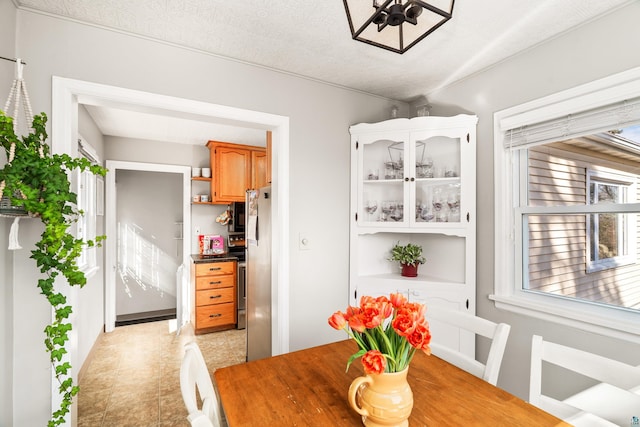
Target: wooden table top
{"type": "Point", "coordinates": [309, 388]}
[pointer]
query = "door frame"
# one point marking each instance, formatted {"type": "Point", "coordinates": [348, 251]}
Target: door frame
{"type": "Point", "coordinates": [183, 306]}
{"type": "Point", "coordinates": [67, 94]}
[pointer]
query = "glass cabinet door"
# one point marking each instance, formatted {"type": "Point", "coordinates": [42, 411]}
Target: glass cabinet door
{"type": "Point", "coordinates": [437, 196]}
{"type": "Point", "coordinates": [382, 194]}
{"type": "Point", "coordinates": [413, 180]}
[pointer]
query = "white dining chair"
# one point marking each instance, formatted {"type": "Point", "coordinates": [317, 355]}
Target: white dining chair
{"type": "Point", "coordinates": [195, 380]}
{"type": "Point", "coordinates": [610, 402]}
{"type": "Point", "coordinates": [496, 332]}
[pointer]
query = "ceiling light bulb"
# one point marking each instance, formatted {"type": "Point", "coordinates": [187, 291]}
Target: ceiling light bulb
{"type": "Point", "coordinates": [413, 10]}
{"type": "Point", "coordinates": [380, 18]}
{"type": "Point", "coordinates": [396, 15]}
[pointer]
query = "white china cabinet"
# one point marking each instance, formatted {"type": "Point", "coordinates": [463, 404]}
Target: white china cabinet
{"type": "Point", "coordinates": [414, 180]}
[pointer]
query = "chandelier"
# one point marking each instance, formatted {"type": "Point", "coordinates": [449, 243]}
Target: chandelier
{"type": "Point", "coordinates": [396, 25]}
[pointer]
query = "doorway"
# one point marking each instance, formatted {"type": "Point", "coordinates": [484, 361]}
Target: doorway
{"type": "Point", "coordinates": [149, 219]}
{"type": "Point", "coordinates": [69, 93]}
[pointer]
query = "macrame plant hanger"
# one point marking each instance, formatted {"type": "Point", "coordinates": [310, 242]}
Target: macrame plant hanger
{"type": "Point", "coordinates": [19, 96]}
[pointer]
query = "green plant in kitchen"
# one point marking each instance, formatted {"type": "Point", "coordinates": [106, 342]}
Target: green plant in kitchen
{"type": "Point", "coordinates": [38, 181]}
{"type": "Point", "coordinates": [409, 256]}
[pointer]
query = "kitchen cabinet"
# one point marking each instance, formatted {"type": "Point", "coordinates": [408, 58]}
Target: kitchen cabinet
{"type": "Point", "coordinates": [258, 169]}
{"type": "Point", "coordinates": [413, 181]}
{"type": "Point", "coordinates": [214, 295]}
{"type": "Point", "coordinates": [232, 170]}
{"type": "Point", "coordinates": [269, 149]}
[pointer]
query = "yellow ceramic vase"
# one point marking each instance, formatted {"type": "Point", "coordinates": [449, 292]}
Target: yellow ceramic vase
{"type": "Point", "coordinates": [383, 400]}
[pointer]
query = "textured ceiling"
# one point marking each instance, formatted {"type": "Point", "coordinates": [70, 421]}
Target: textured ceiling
{"type": "Point", "coordinates": [312, 39]}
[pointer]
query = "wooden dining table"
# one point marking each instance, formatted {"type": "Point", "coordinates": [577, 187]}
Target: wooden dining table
{"type": "Point", "coordinates": [309, 388]}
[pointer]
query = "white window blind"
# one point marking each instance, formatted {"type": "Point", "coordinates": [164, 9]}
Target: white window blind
{"type": "Point", "coordinates": [607, 117]}
{"type": "Point", "coordinates": [87, 150]}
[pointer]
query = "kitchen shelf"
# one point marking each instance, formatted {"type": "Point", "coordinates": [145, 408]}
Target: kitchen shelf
{"type": "Point", "coordinates": [200, 178]}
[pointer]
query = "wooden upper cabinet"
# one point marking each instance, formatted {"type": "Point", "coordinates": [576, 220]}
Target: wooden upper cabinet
{"type": "Point", "coordinates": [258, 169]}
{"type": "Point", "coordinates": [232, 170]}
{"type": "Point", "coordinates": [269, 148]}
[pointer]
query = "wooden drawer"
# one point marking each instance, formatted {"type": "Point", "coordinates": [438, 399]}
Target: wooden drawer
{"type": "Point", "coordinates": [215, 268]}
{"type": "Point", "coordinates": [209, 316]}
{"type": "Point", "coordinates": [215, 296]}
{"type": "Point", "coordinates": [213, 282]}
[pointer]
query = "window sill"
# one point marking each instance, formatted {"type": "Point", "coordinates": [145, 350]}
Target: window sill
{"type": "Point", "coordinates": [612, 322]}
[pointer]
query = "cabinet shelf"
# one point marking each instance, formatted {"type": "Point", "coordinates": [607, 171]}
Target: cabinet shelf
{"type": "Point", "coordinates": [412, 282]}
{"type": "Point", "coordinates": [200, 178]}
{"type": "Point", "coordinates": [444, 228]}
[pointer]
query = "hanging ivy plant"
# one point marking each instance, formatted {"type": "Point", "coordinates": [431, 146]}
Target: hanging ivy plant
{"type": "Point", "coordinates": [38, 181]}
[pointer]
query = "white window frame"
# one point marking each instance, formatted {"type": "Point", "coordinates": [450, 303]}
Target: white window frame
{"type": "Point", "coordinates": [86, 225]}
{"type": "Point", "coordinates": [626, 228]}
{"type": "Point", "coordinates": [508, 292]}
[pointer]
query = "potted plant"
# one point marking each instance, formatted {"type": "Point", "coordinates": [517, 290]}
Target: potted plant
{"type": "Point", "coordinates": [37, 181]}
{"type": "Point", "coordinates": [409, 256]}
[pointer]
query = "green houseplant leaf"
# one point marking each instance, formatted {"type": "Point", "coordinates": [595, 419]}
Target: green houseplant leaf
{"type": "Point", "coordinates": [409, 254]}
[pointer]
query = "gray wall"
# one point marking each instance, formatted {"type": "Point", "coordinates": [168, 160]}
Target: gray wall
{"type": "Point", "coordinates": [601, 48]}
{"type": "Point", "coordinates": [320, 116]}
{"type": "Point", "coordinates": [7, 47]}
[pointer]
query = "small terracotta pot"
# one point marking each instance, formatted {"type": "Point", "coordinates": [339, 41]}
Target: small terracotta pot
{"type": "Point", "coordinates": [409, 270]}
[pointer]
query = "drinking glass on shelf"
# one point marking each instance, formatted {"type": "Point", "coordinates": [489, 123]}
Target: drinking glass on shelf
{"type": "Point", "coordinates": [438, 200]}
{"type": "Point", "coordinates": [426, 214]}
{"type": "Point", "coordinates": [442, 216]}
{"type": "Point", "coordinates": [424, 169]}
{"type": "Point", "coordinates": [453, 202]}
{"type": "Point", "coordinates": [387, 209]}
{"type": "Point", "coordinates": [398, 211]}
{"type": "Point", "coordinates": [371, 206]}
{"type": "Point", "coordinates": [450, 171]}
{"type": "Point", "coordinates": [389, 170]}
{"type": "Point", "coordinates": [373, 174]}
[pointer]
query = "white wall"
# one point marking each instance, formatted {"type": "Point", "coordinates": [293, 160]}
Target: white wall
{"type": "Point", "coordinates": [320, 116]}
{"type": "Point", "coordinates": [603, 47]}
{"type": "Point", "coordinates": [7, 47]}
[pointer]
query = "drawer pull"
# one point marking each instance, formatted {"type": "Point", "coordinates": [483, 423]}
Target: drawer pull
{"type": "Point", "coordinates": [215, 283]}
{"type": "Point", "coordinates": [215, 315]}
{"type": "Point", "coordinates": [215, 296]}
{"type": "Point", "coordinates": [215, 268]}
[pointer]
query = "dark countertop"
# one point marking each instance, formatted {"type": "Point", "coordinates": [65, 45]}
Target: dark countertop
{"type": "Point", "coordinates": [200, 259]}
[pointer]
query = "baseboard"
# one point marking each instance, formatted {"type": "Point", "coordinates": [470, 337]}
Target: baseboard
{"type": "Point", "coordinates": [145, 317]}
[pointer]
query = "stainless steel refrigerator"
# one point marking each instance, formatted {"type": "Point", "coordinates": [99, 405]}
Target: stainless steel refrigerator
{"type": "Point", "coordinates": [258, 304]}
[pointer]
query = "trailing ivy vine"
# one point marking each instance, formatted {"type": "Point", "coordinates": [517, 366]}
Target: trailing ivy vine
{"type": "Point", "coordinates": [38, 181]}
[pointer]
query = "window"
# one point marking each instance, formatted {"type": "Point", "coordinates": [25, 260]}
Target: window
{"type": "Point", "coordinates": [566, 219]}
{"type": "Point", "coordinates": [610, 234]}
{"type": "Point", "coordinates": [87, 261]}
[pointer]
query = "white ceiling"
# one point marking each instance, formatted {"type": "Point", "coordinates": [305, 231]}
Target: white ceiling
{"type": "Point", "coordinates": [312, 39]}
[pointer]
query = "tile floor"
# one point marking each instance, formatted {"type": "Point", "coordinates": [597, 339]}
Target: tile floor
{"type": "Point", "coordinates": [133, 378]}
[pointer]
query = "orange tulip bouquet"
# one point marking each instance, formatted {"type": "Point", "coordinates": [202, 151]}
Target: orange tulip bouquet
{"type": "Point", "coordinates": [388, 332]}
